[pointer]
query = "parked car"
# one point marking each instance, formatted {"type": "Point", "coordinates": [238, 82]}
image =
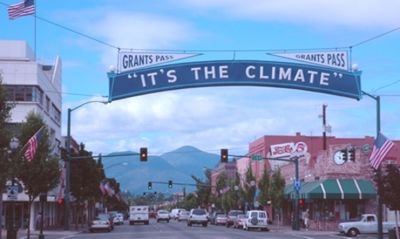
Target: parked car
{"type": "Point", "coordinates": [256, 219]}
{"type": "Point", "coordinates": [198, 216]}
{"type": "Point", "coordinates": [101, 222]}
{"type": "Point", "coordinates": [220, 219]}
{"type": "Point", "coordinates": [214, 216]}
{"type": "Point", "coordinates": [118, 219]}
{"type": "Point", "coordinates": [162, 215]}
{"type": "Point", "coordinates": [109, 217]}
{"type": "Point", "coordinates": [232, 216]}
{"type": "Point", "coordinates": [183, 216]}
{"type": "Point", "coordinates": [238, 221]}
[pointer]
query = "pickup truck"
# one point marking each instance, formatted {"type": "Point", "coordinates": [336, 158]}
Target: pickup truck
{"type": "Point", "coordinates": [367, 223]}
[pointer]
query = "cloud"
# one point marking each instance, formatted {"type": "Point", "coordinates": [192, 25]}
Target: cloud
{"type": "Point", "coordinates": [206, 119]}
{"type": "Point", "coordinates": [358, 14]}
{"type": "Point", "coordinates": [213, 118]}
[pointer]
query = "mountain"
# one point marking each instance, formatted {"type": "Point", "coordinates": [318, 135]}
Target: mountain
{"type": "Point", "coordinates": [191, 160]}
{"type": "Point", "coordinates": [178, 166]}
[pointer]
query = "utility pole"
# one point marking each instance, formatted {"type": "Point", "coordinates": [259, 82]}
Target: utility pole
{"type": "Point", "coordinates": [324, 126]}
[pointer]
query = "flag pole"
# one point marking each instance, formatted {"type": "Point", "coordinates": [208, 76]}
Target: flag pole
{"type": "Point", "coordinates": [34, 4]}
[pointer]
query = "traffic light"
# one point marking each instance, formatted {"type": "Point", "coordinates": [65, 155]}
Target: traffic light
{"type": "Point", "coordinates": [143, 154]}
{"type": "Point", "coordinates": [149, 185]}
{"type": "Point", "coordinates": [60, 201]}
{"type": "Point", "coordinates": [170, 183]}
{"type": "Point", "coordinates": [301, 202]}
{"type": "Point", "coordinates": [224, 155]}
{"type": "Point", "coordinates": [351, 154]}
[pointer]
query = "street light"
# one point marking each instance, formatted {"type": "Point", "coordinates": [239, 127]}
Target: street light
{"type": "Point", "coordinates": [11, 229]}
{"type": "Point", "coordinates": [68, 162]}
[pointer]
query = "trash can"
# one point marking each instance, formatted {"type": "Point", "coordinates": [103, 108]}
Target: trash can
{"type": "Point", "coordinates": [392, 233]}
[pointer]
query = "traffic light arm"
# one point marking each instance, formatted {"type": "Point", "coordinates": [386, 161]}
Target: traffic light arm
{"type": "Point", "coordinates": [181, 184]}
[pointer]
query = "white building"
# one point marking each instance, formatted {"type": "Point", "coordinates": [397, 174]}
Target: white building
{"type": "Point", "coordinates": [32, 86]}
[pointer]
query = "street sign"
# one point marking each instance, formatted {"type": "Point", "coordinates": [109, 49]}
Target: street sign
{"type": "Point", "coordinates": [12, 192]}
{"type": "Point", "coordinates": [297, 185]}
{"type": "Point", "coordinates": [256, 157]}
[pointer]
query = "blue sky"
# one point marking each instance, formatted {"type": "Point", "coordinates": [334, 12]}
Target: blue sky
{"type": "Point", "coordinates": [220, 117]}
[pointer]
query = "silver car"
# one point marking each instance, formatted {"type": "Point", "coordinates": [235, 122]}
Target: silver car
{"type": "Point", "coordinates": [101, 222]}
{"type": "Point", "coordinates": [162, 215]}
{"type": "Point", "coordinates": [198, 216]}
{"type": "Point", "coordinates": [183, 216]}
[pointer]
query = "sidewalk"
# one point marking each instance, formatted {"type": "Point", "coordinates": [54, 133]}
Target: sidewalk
{"type": "Point", "coordinates": [22, 234]}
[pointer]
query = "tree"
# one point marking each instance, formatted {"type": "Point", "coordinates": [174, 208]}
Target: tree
{"type": "Point", "coordinates": [248, 187]}
{"type": "Point", "coordinates": [42, 173]}
{"type": "Point", "coordinates": [5, 109]}
{"type": "Point", "coordinates": [203, 189]}
{"type": "Point", "coordinates": [276, 189]}
{"type": "Point", "coordinates": [221, 183]}
{"type": "Point", "coordinates": [233, 198]}
{"type": "Point", "coordinates": [263, 186]}
{"type": "Point", "coordinates": [391, 190]}
{"type": "Point", "coordinates": [85, 180]}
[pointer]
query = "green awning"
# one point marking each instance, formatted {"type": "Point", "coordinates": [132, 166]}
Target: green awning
{"type": "Point", "coordinates": [334, 189]}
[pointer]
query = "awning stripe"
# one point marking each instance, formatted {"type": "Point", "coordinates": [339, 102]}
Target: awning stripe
{"type": "Point", "coordinates": [340, 188]}
{"type": "Point", "coordinates": [323, 190]}
{"type": "Point", "coordinates": [358, 188]}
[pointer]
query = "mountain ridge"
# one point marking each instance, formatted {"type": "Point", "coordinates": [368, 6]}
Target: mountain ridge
{"type": "Point", "coordinates": [177, 165]}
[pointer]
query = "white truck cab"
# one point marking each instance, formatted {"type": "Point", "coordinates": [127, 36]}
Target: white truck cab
{"type": "Point", "coordinates": [367, 223]}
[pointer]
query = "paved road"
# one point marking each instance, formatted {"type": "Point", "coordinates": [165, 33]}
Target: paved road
{"type": "Point", "coordinates": [176, 229]}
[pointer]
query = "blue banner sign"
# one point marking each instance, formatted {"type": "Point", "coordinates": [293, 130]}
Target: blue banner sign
{"type": "Point", "coordinates": [234, 73]}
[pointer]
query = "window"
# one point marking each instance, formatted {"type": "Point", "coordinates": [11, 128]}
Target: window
{"type": "Point", "coordinates": [19, 94]}
{"type": "Point", "coordinates": [24, 93]}
{"type": "Point", "coordinates": [56, 113]}
{"type": "Point", "coordinates": [47, 104]}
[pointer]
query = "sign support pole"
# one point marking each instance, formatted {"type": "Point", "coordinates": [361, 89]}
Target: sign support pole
{"type": "Point", "coordinates": [379, 171]}
{"type": "Point", "coordinates": [296, 224]}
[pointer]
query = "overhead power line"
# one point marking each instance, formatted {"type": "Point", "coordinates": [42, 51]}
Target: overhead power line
{"type": "Point", "coordinates": [203, 50]}
{"type": "Point", "coordinates": [374, 37]}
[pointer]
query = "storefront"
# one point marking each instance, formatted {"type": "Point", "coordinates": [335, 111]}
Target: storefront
{"type": "Point", "coordinates": [332, 200]}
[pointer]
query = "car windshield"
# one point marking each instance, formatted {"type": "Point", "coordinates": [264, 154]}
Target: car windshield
{"type": "Point", "coordinates": [234, 213]}
{"type": "Point", "coordinates": [102, 217]}
{"type": "Point", "coordinates": [199, 212]}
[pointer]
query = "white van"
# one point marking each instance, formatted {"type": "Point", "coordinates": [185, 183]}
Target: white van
{"type": "Point", "coordinates": [138, 214]}
{"type": "Point", "coordinates": [256, 219]}
{"type": "Point", "coordinates": [175, 213]}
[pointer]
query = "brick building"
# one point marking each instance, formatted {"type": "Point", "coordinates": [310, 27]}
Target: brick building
{"type": "Point", "coordinates": [332, 188]}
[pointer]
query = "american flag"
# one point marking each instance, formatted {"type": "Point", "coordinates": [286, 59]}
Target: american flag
{"type": "Point", "coordinates": [32, 145]}
{"type": "Point", "coordinates": [381, 148]}
{"type": "Point", "coordinates": [25, 8]}
{"type": "Point", "coordinates": [109, 189]}
{"type": "Point", "coordinates": [102, 188]}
